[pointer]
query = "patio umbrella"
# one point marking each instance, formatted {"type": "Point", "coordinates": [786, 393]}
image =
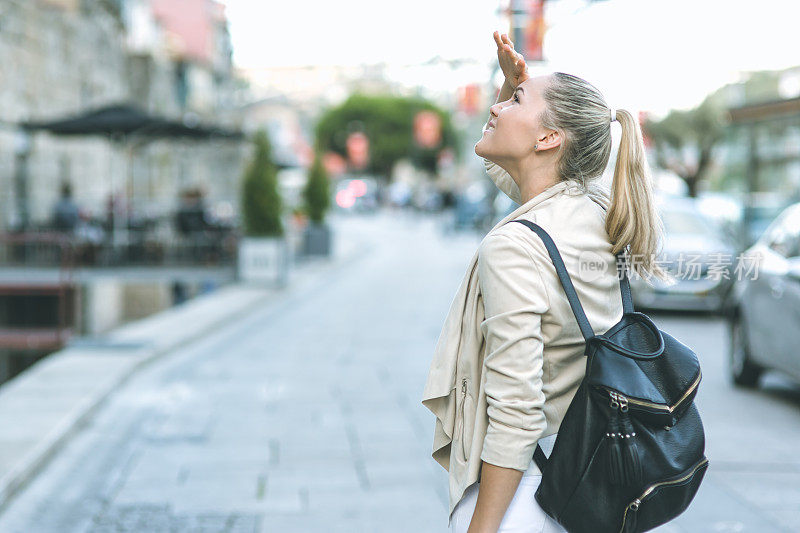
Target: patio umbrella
{"type": "Point", "coordinates": [122, 122]}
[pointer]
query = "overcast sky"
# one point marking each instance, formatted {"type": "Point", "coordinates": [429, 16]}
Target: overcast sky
{"type": "Point", "coordinates": [642, 54]}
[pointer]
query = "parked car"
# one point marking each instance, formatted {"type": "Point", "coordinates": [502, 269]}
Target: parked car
{"type": "Point", "coordinates": [727, 212]}
{"type": "Point", "coordinates": [697, 253]}
{"type": "Point", "coordinates": [758, 213]}
{"type": "Point", "coordinates": [764, 307]}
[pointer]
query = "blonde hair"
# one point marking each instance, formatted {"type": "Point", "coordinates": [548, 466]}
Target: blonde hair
{"type": "Point", "coordinates": [578, 111]}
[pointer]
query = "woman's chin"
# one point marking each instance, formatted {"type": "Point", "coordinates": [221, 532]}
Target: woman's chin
{"type": "Point", "coordinates": [479, 148]}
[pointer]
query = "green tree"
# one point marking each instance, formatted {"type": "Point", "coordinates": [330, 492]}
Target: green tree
{"type": "Point", "coordinates": [261, 201]}
{"type": "Point", "coordinates": [316, 193]}
{"type": "Point", "coordinates": [762, 86]}
{"type": "Point", "coordinates": [684, 141]}
{"type": "Point", "coordinates": [388, 122]}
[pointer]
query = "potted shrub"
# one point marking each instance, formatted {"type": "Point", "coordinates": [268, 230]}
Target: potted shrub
{"type": "Point", "coordinates": [263, 250]}
{"type": "Point", "coordinates": [317, 197]}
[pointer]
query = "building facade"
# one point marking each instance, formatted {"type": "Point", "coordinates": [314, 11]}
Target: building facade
{"type": "Point", "coordinates": [61, 58]}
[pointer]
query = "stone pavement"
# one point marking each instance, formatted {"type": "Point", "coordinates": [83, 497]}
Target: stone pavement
{"type": "Point", "coordinates": [49, 402]}
{"type": "Point", "coordinates": [301, 415]}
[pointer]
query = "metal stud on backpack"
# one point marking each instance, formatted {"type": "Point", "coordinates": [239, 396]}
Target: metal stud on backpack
{"type": "Point", "coordinates": [630, 450]}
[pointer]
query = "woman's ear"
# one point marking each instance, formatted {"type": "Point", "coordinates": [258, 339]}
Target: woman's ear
{"type": "Point", "coordinates": [550, 140]}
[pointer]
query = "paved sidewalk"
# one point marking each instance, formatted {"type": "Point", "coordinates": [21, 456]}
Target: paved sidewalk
{"type": "Point", "coordinates": [301, 416]}
{"type": "Point", "coordinates": [45, 405]}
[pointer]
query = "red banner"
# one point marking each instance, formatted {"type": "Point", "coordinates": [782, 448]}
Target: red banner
{"type": "Point", "coordinates": [470, 99]}
{"type": "Point", "coordinates": [534, 32]}
{"type": "Point", "coordinates": [334, 163]}
{"type": "Point", "coordinates": [358, 149]}
{"type": "Point", "coordinates": [427, 129]}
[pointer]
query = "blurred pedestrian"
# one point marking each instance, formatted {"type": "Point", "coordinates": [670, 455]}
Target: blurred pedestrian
{"type": "Point", "coordinates": [191, 217]}
{"type": "Point", "coordinates": [193, 221]}
{"type": "Point", "coordinates": [65, 211]}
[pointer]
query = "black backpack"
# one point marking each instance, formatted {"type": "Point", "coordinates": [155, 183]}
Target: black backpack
{"type": "Point", "coordinates": [630, 451]}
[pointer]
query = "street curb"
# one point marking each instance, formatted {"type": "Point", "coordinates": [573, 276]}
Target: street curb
{"type": "Point", "coordinates": [19, 475]}
{"type": "Point", "coordinates": [34, 461]}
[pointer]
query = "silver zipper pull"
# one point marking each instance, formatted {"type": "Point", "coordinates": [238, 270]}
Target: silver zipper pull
{"type": "Point", "coordinates": [464, 385]}
{"type": "Point", "coordinates": [614, 401]}
{"type": "Point", "coordinates": [623, 402]}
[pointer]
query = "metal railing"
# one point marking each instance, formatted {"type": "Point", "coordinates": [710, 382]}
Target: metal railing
{"type": "Point", "coordinates": [215, 248]}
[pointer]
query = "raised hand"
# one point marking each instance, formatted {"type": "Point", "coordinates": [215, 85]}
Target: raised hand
{"type": "Point", "coordinates": [511, 62]}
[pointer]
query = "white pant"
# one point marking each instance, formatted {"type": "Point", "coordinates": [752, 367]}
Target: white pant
{"type": "Point", "coordinates": [524, 515]}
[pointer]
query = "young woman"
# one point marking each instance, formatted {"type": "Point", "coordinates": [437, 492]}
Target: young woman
{"type": "Point", "coordinates": [511, 355]}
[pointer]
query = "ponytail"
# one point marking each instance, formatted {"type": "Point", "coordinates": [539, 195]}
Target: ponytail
{"type": "Point", "coordinates": [633, 222]}
{"type": "Point", "coordinates": [577, 109]}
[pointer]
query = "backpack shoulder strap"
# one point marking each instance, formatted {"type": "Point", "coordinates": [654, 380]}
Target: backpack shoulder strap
{"type": "Point", "coordinates": [540, 458]}
{"type": "Point", "coordinates": [569, 288]}
{"type": "Point", "coordinates": [624, 285]}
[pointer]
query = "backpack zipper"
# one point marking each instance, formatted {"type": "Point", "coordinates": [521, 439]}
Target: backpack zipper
{"type": "Point", "coordinates": [634, 505]}
{"type": "Point", "coordinates": [619, 397]}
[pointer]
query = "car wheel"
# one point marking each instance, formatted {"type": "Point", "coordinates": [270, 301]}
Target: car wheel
{"type": "Point", "coordinates": [742, 369]}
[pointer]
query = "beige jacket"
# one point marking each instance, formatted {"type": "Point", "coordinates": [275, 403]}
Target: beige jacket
{"type": "Point", "coordinates": [509, 358]}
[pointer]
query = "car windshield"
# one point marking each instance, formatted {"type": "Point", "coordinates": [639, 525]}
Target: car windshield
{"type": "Point", "coordinates": [687, 223]}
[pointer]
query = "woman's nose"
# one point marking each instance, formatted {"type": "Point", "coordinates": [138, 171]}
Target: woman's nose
{"type": "Point", "coordinates": [495, 109]}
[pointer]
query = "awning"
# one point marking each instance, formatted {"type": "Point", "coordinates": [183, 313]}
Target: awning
{"type": "Point", "coordinates": [125, 119]}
